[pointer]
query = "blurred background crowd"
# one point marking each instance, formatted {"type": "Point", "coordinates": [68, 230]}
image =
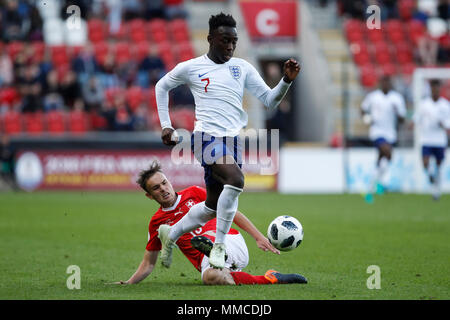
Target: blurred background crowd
{"type": "Point", "coordinates": [97, 75]}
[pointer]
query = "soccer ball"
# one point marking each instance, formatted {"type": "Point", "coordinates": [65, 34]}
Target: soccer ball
{"type": "Point", "coordinates": [285, 233]}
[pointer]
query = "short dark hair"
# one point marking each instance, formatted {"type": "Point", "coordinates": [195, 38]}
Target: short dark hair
{"type": "Point", "coordinates": [220, 20]}
{"type": "Point", "coordinates": [435, 82]}
{"type": "Point", "coordinates": [144, 175]}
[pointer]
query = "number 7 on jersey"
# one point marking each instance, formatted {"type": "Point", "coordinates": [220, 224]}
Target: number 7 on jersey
{"type": "Point", "coordinates": [207, 83]}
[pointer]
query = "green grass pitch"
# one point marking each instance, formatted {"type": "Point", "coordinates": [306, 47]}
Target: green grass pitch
{"type": "Point", "coordinates": [407, 236]}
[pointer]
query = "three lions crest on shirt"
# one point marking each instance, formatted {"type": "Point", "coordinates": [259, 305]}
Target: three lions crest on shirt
{"type": "Point", "coordinates": [235, 71]}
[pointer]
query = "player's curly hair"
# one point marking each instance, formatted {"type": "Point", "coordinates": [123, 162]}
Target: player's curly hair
{"type": "Point", "coordinates": [146, 174]}
{"type": "Point", "coordinates": [220, 20]}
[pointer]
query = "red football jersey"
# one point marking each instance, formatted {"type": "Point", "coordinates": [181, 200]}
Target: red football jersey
{"type": "Point", "coordinates": [186, 199]}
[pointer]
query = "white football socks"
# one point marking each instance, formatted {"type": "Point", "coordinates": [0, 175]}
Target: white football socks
{"type": "Point", "coordinates": [226, 210]}
{"type": "Point", "coordinates": [197, 216]}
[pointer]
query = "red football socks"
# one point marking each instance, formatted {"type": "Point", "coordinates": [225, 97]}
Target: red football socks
{"type": "Point", "coordinates": [245, 278]}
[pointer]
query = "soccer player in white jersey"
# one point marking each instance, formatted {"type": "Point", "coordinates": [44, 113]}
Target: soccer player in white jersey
{"type": "Point", "coordinates": [217, 82]}
{"type": "Point", "coordinates": [382, 109]}
{"type": "Point", "coordinates": [433, 119]}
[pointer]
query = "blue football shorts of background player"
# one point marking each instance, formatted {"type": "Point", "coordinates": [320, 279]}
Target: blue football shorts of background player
{"type": "Point", "coordinates": [437, 152]}
{"type": "Point", "coordinates": [378, 142]}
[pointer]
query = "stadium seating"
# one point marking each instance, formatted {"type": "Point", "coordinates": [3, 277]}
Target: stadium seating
{"type": "Point", "coordinates": [132, 41]}
{"type": "Point", "coordinates": [55, 121]}
{"type": "Point", "coordinates": [12, 122]}
{"type": "Point", "coordinates": [34, 123]}
{"type": "Point", "coordinates": [79, 122]}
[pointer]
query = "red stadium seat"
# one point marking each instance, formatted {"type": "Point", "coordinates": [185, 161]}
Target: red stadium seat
{"type": "Point", "coordinates": [9, 96]}
{"type": "Point", "coordinates": [55, 122]}
{"type": "Point", "coordinates": [120, 34]}
{"type": "Point", "coordinates": [407, 69]}
{"type": "Point", "coordinates": [368, 76]}
{"type": "Point", "coordinates": [134, 97]}
{"type": "Point", "coordinates": [96, 30]}
{"type": "Point", "coordinates": [12, 122]}
{"type": "Point", "coordinates": [151, 96]}
{"type": "Point", "coordinates": [137, 31]}
{"type": "Point", "coordinates": [178, 25]}
{"type": "Point", "coordinates": [38, 51]}
{"type": "Point", "coordinates": [388, 69]}
{"type": "Point", "coordinates": [101, 49]}
{"type": "Point", "coordinates": [34, 123]}
{"type": "Point", "coordinates": [122, 52]}
{"type": "Point", "coordinates": [156, 25]}
{"type": "Point", "coordinates": [59, 55]}
{"type": "Point", "coordinates": [136, 25]}
{"type": "Point", "coordinates": [404, 52]}
{"type": "Point", "coordinates": [362, 58]}
{"type": "Point", "coordinates": [98, 122]}
{"type": "Point", "coordinates": [355, 36]}
{"type": "Point", "coordinates": [14, 48]}
{"type": "Point", "coordinates": [375, 35]}
{"type": "Point", "coordinates": [184, 51]}
{"type": "Point", "coordinates": [183, 118]}
{"type": "Point", "coordinates": [141, 50]}
{"type": "Point", "coordinates": [160, 36]}
{"type": "Point", "coordinates": [111, 93]}
{"type": "Point", "coordinates": [78, 122]}
{"type": "Point", "coordinates": [396, 36]}
{"type": "Point", "coordinates": [383, 57]}
{"type": "Point", "coordinates": [354, 24]}
{"type": "Point", "coordinates": [406, 8]}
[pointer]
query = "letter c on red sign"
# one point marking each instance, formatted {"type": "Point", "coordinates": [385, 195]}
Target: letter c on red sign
{"type": "Point", "coordinates": [267, 22]}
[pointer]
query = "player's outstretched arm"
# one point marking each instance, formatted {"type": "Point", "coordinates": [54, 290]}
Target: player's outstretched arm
{"type": "Point", "coordinates": [261, 241]}
{"type": "Point", "coordinates": [144, 269]}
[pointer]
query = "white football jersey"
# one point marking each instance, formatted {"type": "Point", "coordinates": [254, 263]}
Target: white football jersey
{"type": "Point", "coordinates": [218, 91]}
{"type": "Point", "coordinates": [428, 116]}
{"type": "Point", "coordinates": [384, 109]}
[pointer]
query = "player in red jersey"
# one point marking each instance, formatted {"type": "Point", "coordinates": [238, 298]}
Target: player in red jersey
{"type": "Point", "coordinates": [196, 245]}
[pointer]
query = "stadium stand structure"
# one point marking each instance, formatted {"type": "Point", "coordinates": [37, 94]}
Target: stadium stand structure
{"type": "Point", "coordinates": [125, 63]}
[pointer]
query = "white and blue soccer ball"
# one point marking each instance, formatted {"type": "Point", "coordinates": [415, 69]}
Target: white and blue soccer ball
{"type": "Point", "coordinates": [285, 233]}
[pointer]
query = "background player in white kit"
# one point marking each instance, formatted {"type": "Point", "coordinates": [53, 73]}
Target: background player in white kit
{"type": "Point", "coordinates": [432, 119]}
{"type": "Point", "coordinates": [217, 82]}
{"type": "Point", "coordinates": [382, 109]}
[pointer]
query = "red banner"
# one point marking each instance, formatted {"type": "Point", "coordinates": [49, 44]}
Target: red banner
{"type": "Point", "coordinates": [270, 20]}
{"type": "Point", "coordinates": [113, 170]}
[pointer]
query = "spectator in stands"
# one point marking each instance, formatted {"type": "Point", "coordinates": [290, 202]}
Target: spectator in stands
{"type": "Point", "coordinates": [281, 120]}
{"type": "Point", "coordinates": [6, 68]}
{"type": "Point", "coordinates": [175, 9]}
{"type": "Point", "coordinates": [154, 9]}
{"type": "Point", "coordinates": [443, 10]}
{"type": "Point", "coordinates": [114, 15]}
{"type": "Point", "coordinates": [85, 63]}
{"type": "Point", "coordinates": [353, 8]}
{"type": "Point", "coordinates": [15, 23]}
{"type": "Point", "coordinates": [120, 117]}
{"type": "Point", "coordinates": [151, 69]}
{"type": "Point", "coordinates": [140, 122]}
{"type": "Point", "coordinates": [93, 94]}
{"type": "Point", "coordinates": [70, 89]}
{"type": "Point", "coordinates": [389, 9]}
{"type": "Point", "coordinates": [36, 24]}
{"type": "Point", "coordinates": [182, 97]}
{"type": "Point", "coordinates": [131, 9]}
{"type": "Point", "coordinates": [30, 88]}
{"type": "Point", "coordinates": [428, 48]}
{"type": "Point", "coordinates": [53, 99]}
{"type": "Point", "coordinates": [108, 76]}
